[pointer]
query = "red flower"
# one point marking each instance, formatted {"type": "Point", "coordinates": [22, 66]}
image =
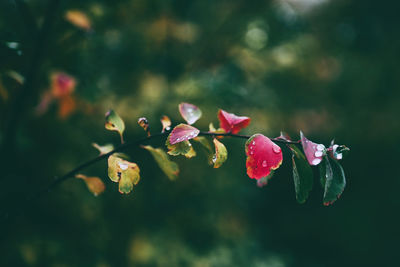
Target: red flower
{"type": "Point", "coordinates": [232, 123]}
{"type": "Point", "coordinates": [263, 155]}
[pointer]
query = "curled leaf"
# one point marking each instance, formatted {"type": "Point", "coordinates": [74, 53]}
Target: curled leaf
{"type": "Point", "coordinates": [103, 149]}
{"type": "Point", "coordinates": [189, 112]}
{"type": "Point", "coordinates": [121, 171]}
{"type": "Point", "coordinates": [263, 155]}
{"type": "Point", "coordinates": [182, 132]}
{"type": "Point", "coordinates": [169, 167]}
{"type": "Point", "coordinates": [166, 123]}
{"type": "Point", "coordinates": [313, 151]}
{"type": "Point", "coordinates": [144, 123]}
{"type": "Point", "coordinates": [94, 184]}
{"type": "Point", "coordinates": [302, 174]}
{"type": "Point", "coordinates": [333, 180]}
{"type": "Point", "coordinates": [232, 123]}
{"type": "Point", "coordinates": [221, 154]}
{"type": "Point", "coordinates": [114, 123]}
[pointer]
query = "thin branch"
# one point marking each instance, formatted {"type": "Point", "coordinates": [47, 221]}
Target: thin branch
{"type": "Point", "coordinates": [58, 180]}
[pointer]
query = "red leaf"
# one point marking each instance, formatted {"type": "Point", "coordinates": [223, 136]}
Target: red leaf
{"type": "Point", "coordinates": [190, 113]}
{"type": "Point", "coordinates": [263, 155]}
{"type": "Point", "coordinates": [313, 151]}
{"type": "Point", "coordinates": [183, 132]}
{"type": "Point", "coordinates": [232, 123]}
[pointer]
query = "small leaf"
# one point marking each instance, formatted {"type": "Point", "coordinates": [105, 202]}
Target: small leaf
{"type": "Point", "coordinates": [169, 167]}
{"type": "Point", "coordinates": [143, 122]}
{"type": "Point", "coordinates": [114, 123]}
{"type": "Point", "coordinates": [338, 151]}
{"type": "Point", "coordinates": [206, 145]}
{"type": "Point", "coordinates": [313, 151]}
{"type": "Point", "coordinates": [232, 123]}
{"type": "Point", "coordinates": [221, 154]}
{"type": "Point", "coordinates": [302, 174]}
{"type": "Point", "coordinates": [192, 153]}
{"type": "Point", "coordinates": [166, 123]}
{"type": "Point", "coordinates": [264, 181]}
{"type": "Point", "coordinates": [190, 113]}
{"type": "Point", "coordinates": [181, 148]}
{"type": "Point", "coordinates": [94, 184]}
{"type": "Point", "coordinates": [213, 130]}
{"type": "Point", "coordinates": [103, 149]}
{"type": "Point", "coordinates": [263, 155]}
{"type": "Point", "coordinates": [182, 132]}
{"type": "Point", "coordinates": [121, 171]}
{"type": "Point", "coordinates": [334, 181]}
{"type": "Point", "coordinates": [79, 19]}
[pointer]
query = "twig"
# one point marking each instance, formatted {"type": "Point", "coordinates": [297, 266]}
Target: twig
{"type": "Point", "coordinates": [58, 180]}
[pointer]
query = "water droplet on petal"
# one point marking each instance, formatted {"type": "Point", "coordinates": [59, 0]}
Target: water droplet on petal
{"type": "Point", "coordinates": [318, 154]}
{"type": "Point", "coordinates": [339, 156]}
{"type": "Point", "coordinates": [251, 152]}
{"type": "Point", "coordinates": [214, 158]}
{"type": "Point", "coordinates": [316, 161]}
{"type": "Point", "coordinates": [264, 163]}
{"type": "Point", "coordinates": [320, 147]}
{"type": "Point", "coordinates": [253, 143]}
{"type": "Point", "coordinates": [123, 166]}
{"type": "Point", "coordinates": [276, 149]}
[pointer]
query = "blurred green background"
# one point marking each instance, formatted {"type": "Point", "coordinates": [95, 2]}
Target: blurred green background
{"type": "Point", "coordinates": [328, 68]}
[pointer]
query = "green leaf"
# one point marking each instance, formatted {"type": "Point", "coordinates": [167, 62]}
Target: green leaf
{"type": "Point", "coordinates": [114, 123]}
{"type": "Point", "coordinates": [103, 149]}
{"type": "Point", "coordinates": [181, 148]}
{"type": "Point", "coordinates": [206, 145]}
{"type": "Point", "coordinates": [302, 174]}
{"type": "Point", "coordinates": [334, 181]}
{"type": "Point", "coordinates": [169, 167]}
{"type": "Point", "coordinates": [121, 171]}
{"type": "Point", "coordinates": [221, 154]}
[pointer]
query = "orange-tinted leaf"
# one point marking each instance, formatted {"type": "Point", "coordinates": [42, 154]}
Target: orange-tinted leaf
{"type": "Point", "coordinates": [67, 105]}
{"type": "Point", "coordinates": [166, 123]}
{"type": "Point", "coordinates": [62, 84]}
{"type": "Point", "coordinates": [189, 112]}
{"type": "Point", "coordinates": [263, 155]}
{"type": "Point", "coordinates": [144, 123]}
{"type": "Point", "coordinates": [232, 123]}
{"type": "Point", "coordinates": [79, 19]}
{"type": "Point", "coordinates": [94, 184]}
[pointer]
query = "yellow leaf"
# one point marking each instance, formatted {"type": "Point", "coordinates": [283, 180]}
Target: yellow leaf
{"type": "Point", "coordinates": [126, 173]}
